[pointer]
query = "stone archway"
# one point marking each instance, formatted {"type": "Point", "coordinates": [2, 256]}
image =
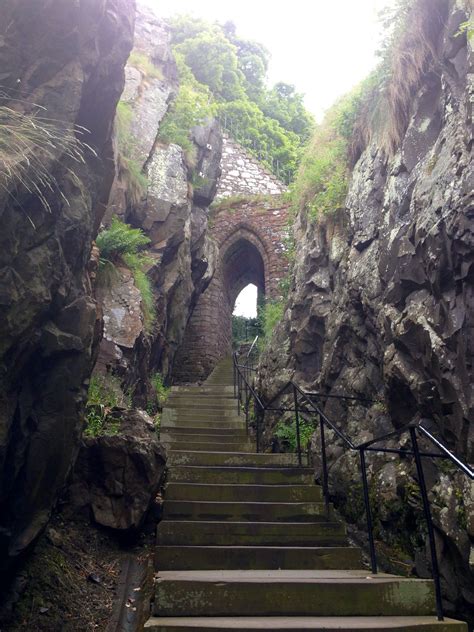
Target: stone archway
{"type": "Point", "coordinates": [250, 237]}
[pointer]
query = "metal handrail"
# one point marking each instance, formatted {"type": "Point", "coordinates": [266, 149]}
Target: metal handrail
{"type": "Point", "coordinates": [245, 392]}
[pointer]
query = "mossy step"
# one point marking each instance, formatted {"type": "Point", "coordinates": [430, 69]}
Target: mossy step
{"type": "Point", "coordinates": [191, 422]}
{"type": "Point", "coordinates": [267, 476]}
{"type": "Point", "coordinates": [256, 558]}
{"type": "Point", "coordinates": [209, 459]}
{"type": "Point", "coordinates": [206, 431]}
{"type": "Point", "coordinates": [200, 437]}
{"type": "Point", "coordinates": [300, 624]}
{"type": "Point", "coordinates": [227, 533]}
{"type": "Point", "coordinates": [196, 403]}
{"type": "Point", "coordinates": [240, 511]}
{"type": "Point", "coordinates": [210, 446]}
{"type": "Point", "coordinates": [211, 415]}
{"type": "Point", "coordinates": [299, 593]}
{"type": "Point", "coordinates": [242, 493]}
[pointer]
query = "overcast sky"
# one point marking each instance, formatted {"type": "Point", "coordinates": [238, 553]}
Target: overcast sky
{"type": "Point", "coordinates": [322, 47]}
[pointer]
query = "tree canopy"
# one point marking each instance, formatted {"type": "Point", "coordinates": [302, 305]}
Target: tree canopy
{"type": "Point", "coordinates": [272, 123]}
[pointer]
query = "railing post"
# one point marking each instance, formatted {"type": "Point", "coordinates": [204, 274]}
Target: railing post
{"type": "Point", "coordinates": [259, 419]}
{"type": "Point", "coordinates": [429, 524]}
{"type": "Point", "coordinates": [368, 512]}
{"type": "Point", "coordinates": [238, 391]}
{"type": "Point", "coordinates": [235, 377]}
{"type": "Point", "coordinates": [324, 464]}
{"type": "Point", "coordinates": [297, 418]}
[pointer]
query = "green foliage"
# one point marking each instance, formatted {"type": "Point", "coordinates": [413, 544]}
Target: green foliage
{"type": "Point", "coordinates": [323, 177]}
{"type": "Point", "coordinates": [139, 60]}
{"type": "Point", "coordinates": [244, 329]}
{"type": "Point", "coordinates": [286, 433]}
{"type": "Point", "coordinates": [120, 243]}
{"type": "Point", "coordinates": [270, 314]}
{"type": "Point", "coordinates": [161, 392]}
{"type": "Point", "coordinates": [131, 171]}
{"type": "Point", "coordinates": [104, 394]}
{"type": "Point", "coordinates": [191, 107]}
{"type": "Point", "coordinates": [272, 124]}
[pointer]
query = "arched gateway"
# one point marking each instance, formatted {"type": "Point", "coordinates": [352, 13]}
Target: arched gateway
{"type": "Point", "coordinates": [251, 240]}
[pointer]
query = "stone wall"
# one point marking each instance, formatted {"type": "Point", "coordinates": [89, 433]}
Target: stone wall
{"type": "Point", "coordinates": [383, 307]}
{"type": "Point", "coordinates": [251, 240]}
{"type": "Point", "coordinates": [242, 174]}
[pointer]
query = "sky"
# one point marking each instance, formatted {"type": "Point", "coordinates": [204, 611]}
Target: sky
{"type": "Point", "coordinates": [322, 47]}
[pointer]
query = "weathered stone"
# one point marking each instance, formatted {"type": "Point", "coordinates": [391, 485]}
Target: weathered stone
{"type": "Point", "coordinates": [117, 476]}
{"type": "Point", "coordinates": [69, 59]}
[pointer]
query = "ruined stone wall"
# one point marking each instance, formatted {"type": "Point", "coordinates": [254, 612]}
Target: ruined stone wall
{"type": "Point", "coordinates": [242, 174]}
{"type": "Point", "coordinates": [251, 238]}
{"type": "Point", "coordinates": [382, 306]}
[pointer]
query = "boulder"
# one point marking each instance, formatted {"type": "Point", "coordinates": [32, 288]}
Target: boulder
{"type": "Point", "coordinates": [117, 476]}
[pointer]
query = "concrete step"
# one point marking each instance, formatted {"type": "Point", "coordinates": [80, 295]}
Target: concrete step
{"type": "Point", "coordinates": [291, 593]}
{"type": "Point", "coordinates": [183, 558]}
{"type": "Point", "coordinates": [241, 476]}
{"type": "Point", "coordinates": [209, 459]}
{"type": "Point", "coordinates": [206, 431]}
{"type": "Point", "coordinates": [241, 511]}
{"type": "Point", "coordinates": [202, 533]}
{"type": "Point", "coordinates": [180, 422]}
{"type": "Point", "coordinates": [201, 404]}
{"type": "Point", "coordinates": [204, 389]}
{"type": "Point", "coordinates": [204, 414]}
{"type": "Point", "coordinates": [243, 493]}
{"type": "Point", "coordinates": [211, 446]}
{"type": "Point", "coordinates": [299, 624]}
{"type": "Point", "coordinates": [209, 437]}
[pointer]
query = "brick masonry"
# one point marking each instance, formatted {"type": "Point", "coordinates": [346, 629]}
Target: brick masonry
{"type": "Point", "coordinates": [251, 239]}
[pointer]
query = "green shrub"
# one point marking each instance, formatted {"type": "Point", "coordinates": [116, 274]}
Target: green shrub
{"type": "Point", "coordinates": [120, 243]}
{"type": "Point", "coordinates": [286, 433]}
{"type": "Point", "coordinates": [104, 394]}
{"type": "Point", "coordinates": [270, 314]}
{"type": "Point", "coordinates": [160, 390]}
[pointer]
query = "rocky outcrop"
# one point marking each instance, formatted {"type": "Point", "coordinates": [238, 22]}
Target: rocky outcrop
{"type": "Point", "coordinates": [382, 306]}
{"type": "Point", "coordinates": [63, 64]}
{"type": "Point", "coordinates": [117, 476]}
{"type": "Point", "coordinates": [171, 209]}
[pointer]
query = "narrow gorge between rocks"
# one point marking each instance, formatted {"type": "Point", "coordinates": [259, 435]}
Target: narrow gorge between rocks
{"type": "Point", "coordinates": [169, 464]}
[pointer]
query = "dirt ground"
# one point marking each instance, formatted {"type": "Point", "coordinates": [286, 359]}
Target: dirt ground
{"type": "Point", "coordinates": [73, 579]}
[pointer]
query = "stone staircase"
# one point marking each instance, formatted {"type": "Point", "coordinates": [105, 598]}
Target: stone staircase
{"type": "Point", "coordinates": [246, 543]}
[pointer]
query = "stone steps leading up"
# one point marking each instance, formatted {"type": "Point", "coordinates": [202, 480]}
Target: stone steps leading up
{"type": "Point", "coordinates": [335, 593]}
{"type": "Point", "coordinates": [231, 459]}
{"type": "Point", "coordinates": [300, 624]}
{"type": "Point", "coordinates": [252, 493]}
{"type": "Point", "coordinates": [240, 511]}
{"type": "Point", "coordinates": [256, 558]}
{"type": "Point", "coordinates": [247, 543]}
{"type": "Point", "coordinates": [234, 475]}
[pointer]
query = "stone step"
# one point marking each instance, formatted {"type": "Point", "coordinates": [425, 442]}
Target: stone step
{"type": "Point", "coordinates": [245, 511]}
{"type": "Point", "coordinates": [198, 403]}
{"type": "Point", "coordinates": [202, 533]}
{"type": "Point", "coordinates": [211, 446]}
{"type": "Point", "coordinates": [209, 437]}
{"type": "Point", "coordinates": [205, 415]}
{"type": "Point", "coordinates": [243, 493]}
{"type": "Point", "coordinates": [267, 476]}
{"type": "Point", "coordinates": [299, 624]}
{"type": "Point", "coordinates": [183, 558]}
{"type": "Point", "coordinates": [291, 593]}
{"type": "Point", "coordinates": [192, 422]}
{"type": "Point", "coordinates": [206, 431]}
{"type": "Point", "coordinates": [208, 459]}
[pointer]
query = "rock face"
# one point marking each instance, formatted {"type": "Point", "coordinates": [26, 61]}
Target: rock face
{"type": "Point", "coordinates": [171, 212]}
{"type": "Point", "coordinates": [69, 60]}
{"type": "Point", "coordinates": [117, 476]}
{"type": "Point", "coordinates": [382, 306]}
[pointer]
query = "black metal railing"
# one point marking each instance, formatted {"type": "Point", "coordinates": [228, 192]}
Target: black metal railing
{"type": "Point", "coordinates": [305, 403]}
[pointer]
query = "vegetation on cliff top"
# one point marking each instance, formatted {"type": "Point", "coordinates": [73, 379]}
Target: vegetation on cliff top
{"type": "Point", "coordinates": [225, 75]}
{"type": "Point", "coordinates": [377, 110]}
